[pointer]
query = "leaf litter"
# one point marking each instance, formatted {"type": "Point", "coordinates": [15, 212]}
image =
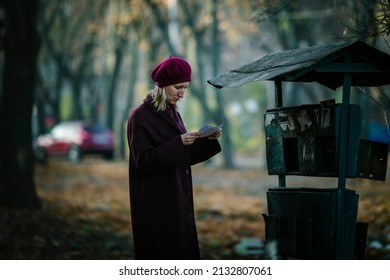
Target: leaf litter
{"type": "Point", "coordinates": [86, 213]}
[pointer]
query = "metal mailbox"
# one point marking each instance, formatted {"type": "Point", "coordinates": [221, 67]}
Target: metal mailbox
{"type": "Point", "coordinates": [372, 162]}
{"type": "Point", "coordinates": [302, 140]}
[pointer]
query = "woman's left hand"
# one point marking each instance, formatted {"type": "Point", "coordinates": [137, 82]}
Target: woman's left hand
{"type": "Point", "coordinates": [189, 138]}
{"type": "Point", "coordinates": [216, 134]}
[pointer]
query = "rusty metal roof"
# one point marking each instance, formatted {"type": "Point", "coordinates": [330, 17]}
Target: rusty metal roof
{"type": "Point", "coordinates": [325, 64]}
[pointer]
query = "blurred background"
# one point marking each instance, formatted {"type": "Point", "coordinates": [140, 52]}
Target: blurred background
{"type": "Point", "coordinates": [72, 71]}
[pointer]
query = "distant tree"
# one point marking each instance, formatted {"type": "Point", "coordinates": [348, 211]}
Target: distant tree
{"type": "Point", "coordinates": [125, 37]}
{"type": "Point", "coordinates": [220, 115]}
{"type": "Point", "coordinates": [372, 18]}
{"type": "Point", "coordinates": [20, 47]}
{"type": "Point", "coordinates": [203, 31]}
{"type": "Point", "coordinates": [371, 23]}
{"type": "Point", "coordinates": [69, 31]}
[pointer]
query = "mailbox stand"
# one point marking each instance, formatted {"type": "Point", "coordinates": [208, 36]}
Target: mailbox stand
{"type": "Point", "coordinates": [340, 217]}
{"type": "Point", "coordinates": [346, 64]}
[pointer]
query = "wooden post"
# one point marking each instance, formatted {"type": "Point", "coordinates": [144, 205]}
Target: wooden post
{"type": "Point", "coordinates": [343, 161]}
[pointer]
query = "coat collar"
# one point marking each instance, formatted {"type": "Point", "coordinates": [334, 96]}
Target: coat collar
{"type": "Point", "coordinates": [165, 115]}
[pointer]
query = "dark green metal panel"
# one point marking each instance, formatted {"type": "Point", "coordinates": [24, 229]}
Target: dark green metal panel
{"type": "Point", "coordinates": [303, 221]}
{"type": "Point", "coordinates": [352, 135]}
{"type": "Point", "coordinates": [274, 154]}
{"type": "Point", "coordinates": [372, 163]}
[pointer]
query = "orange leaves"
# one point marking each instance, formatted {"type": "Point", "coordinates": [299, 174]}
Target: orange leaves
{"type": "Point", "coordinates": [86, 211]}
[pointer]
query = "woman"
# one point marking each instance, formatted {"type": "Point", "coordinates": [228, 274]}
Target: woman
{"type": "Point", "coordinates": [161, 155]}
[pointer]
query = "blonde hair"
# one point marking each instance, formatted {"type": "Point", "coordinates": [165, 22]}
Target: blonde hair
{"type": "Point", "coordinates": [159, 99]}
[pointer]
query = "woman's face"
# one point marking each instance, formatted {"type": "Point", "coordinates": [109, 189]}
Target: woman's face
{"type": "Point", "coordinates": [175, 92]}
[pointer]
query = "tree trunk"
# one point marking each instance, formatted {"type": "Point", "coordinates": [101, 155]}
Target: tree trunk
{"type": "Point", "coordinates": [17, 189]}
{"type": "Point", "coordinates": [135, 61]}
{"type": "Point", "coordinates": [121, 43]}
{"type": "Point", "coordinates": [220, 114]}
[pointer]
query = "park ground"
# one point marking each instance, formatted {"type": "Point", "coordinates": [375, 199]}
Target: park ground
{"type": "Point", "coordinates": [86, 213]}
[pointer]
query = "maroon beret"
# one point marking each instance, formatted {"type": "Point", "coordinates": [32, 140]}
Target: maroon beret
{"type": "Point", "coordinates": [173, 70]}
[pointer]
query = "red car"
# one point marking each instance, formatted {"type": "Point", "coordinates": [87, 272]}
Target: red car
{"type": "Point", "coordinates": [75, 139]}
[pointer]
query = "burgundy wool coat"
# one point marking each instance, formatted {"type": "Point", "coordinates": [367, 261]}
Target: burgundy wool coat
{"type": "Point", "coordinates": [160, 184]}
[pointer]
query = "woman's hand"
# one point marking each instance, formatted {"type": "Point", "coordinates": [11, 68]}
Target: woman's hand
{"type": "Point", "coordinates": [216, 134]}
{"type": "Point", "coordinates": [189, 138]}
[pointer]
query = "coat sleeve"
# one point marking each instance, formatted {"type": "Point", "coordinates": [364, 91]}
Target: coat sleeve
{"type": "Point", "coordinates": [149, 153]}
{"type": "Point", "coordinates": [203, 149]}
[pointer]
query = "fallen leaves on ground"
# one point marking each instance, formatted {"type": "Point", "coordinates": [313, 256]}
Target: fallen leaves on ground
{"type": "Point", "coordinates": [86, 212]}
